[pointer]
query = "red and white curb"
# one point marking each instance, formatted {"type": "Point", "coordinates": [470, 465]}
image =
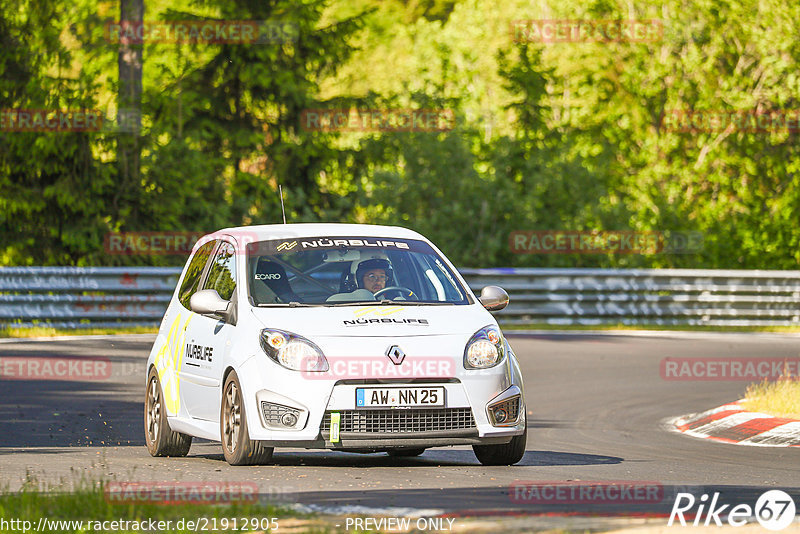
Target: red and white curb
{"type": "Point", "coordinates": [733, 424]}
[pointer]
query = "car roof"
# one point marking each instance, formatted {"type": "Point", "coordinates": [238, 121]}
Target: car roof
{"type": "Point", "coordinates": [281, 231]}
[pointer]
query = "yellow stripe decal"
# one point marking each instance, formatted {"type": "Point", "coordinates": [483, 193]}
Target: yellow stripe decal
{"type": "Point", "coordinates": [334, 430]}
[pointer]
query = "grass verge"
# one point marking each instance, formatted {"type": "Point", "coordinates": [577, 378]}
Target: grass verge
{"type": "Point", "coordinates": [780, 398]}
{"type": "Point", "coordinates": [667, 328]}
{"type": "Point", "coordinates": [44, 331]}
{"type": "Point", "coordinates": [88, 510]}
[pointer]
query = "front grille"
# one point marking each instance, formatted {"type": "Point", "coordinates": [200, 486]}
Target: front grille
{"type": "Point", "coordinates": [273, 413]}
{"type": "Point", "coordinates": [401, 421]}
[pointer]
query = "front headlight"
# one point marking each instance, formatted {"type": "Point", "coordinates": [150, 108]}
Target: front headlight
{"type": "Point", "coordinates": [293, 351]}
{"type": "Point", "coordinates": [485, 349]}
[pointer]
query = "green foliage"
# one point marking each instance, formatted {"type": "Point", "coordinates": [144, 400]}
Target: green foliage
{"type": "Point", "coordinates": [53, 188]}
{"type": "Point", "coordinates": [88, 502]}
{"type": "Point", "coordinates": [548, 136]}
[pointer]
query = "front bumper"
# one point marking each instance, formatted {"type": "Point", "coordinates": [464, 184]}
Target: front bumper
{"type": "Point", "coordinates": [464, 420]}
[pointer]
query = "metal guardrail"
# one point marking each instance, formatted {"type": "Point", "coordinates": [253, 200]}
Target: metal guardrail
{"type": "Point", "coordinates": [645, 296]}
{"type": "Point", "coordinates": [74, 297]}
{"type": "Point", "coordinates": [81, 297]}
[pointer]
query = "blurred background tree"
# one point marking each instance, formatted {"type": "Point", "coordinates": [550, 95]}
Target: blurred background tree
{"type": "Point", "coordinates": [548, 136]}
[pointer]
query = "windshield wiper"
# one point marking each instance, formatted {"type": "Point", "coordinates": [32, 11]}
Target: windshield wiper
{"type": "Point", "coordinates": [387, 302]}
{"type": "Point", "coordinates": [287, 305]}
{"type": "Point", "coordinates": [384, 302]}
{"type": "Point", "coordinates": [417, 303]}
{"type": "Point", "coordinates": [352, 303]}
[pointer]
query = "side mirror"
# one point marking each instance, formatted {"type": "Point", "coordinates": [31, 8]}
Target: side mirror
{"type": "Point", "coordinates": [494, 298]}
{"type": "Point", "coordinates": [208, 302]}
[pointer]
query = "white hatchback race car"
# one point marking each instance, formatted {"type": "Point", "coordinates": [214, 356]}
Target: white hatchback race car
{"type": "Point", "coordinates": [348, 337]}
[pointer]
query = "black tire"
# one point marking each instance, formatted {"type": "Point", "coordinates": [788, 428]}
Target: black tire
{"type": "Point", "coordinates": [405, 453]}
{"type": "Point", "coordinates": [503, 454]}
{"type": "Point", "coordinates": [237, 446]}
{"type": "Point", "coordinates": [160, 439]}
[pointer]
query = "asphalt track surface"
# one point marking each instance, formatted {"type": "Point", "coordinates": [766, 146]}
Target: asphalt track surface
{"type": "Point", "coordinates": [596, 407]}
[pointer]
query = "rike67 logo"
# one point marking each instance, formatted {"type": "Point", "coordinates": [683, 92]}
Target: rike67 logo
{"type": "Point", "coordinates": [774, 510]}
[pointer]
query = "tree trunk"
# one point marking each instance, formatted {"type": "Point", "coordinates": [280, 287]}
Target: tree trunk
{"type": "Point", "coordinates": [129, 107]}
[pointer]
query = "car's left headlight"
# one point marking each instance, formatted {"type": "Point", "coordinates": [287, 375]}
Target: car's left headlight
{"type": "Point", "coordinates": [485, 349]}
{"type": "Point", "coordinates": [293, 351]}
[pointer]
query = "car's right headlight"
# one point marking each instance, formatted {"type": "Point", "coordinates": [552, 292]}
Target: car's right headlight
{"type": "Point", "coordinates": [484, 349]}
{"type": "Point", "coordinates": [293, 351]}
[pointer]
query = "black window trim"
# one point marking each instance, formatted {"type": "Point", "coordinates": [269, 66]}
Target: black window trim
{"type": "Point", "coordinates": [204, 275]}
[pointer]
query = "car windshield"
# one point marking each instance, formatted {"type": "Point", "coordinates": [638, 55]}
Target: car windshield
{"type": "Point", "coordinates": [342, 271]}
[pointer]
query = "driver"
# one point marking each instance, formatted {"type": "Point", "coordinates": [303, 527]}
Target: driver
{"type": "Point", "coordinates": [372, 274]}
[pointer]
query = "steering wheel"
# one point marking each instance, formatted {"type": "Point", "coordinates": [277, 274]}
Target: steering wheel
{"type": "Point", "coordinates": [410, 294]}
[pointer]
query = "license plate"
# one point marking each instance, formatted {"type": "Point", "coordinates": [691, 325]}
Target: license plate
{"type": "Point", "coordinates": [399, 397]}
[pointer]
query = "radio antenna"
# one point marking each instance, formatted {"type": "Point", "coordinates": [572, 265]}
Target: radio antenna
{"type": "Point", "coordinates": [283, 210]}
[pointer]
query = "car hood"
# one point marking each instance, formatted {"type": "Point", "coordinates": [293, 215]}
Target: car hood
{"type": "Point", "coordinates": [376, 320]}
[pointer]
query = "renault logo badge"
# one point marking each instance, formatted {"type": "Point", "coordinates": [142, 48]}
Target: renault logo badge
{"type": "Point", "coordinates": [396, 354]}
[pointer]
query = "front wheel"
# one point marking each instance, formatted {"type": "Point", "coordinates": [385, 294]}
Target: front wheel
{"type": "Point", "coordinates": [237, 446]}
{"type": "Point", "coordinates": [503, 454]}
{"type": "Point", "coordinates": [160, 439]}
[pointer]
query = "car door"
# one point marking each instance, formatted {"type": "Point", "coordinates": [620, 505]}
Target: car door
{"type": "Point", "coordinates": [208, 340]}
{"type": "Point", "coordinates": [170, 346]}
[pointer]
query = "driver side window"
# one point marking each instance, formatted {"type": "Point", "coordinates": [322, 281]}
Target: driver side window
{"type": "Point", "coordinates": [222, 275]}
{"type": "Point", "coordinates": [193, 273]}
